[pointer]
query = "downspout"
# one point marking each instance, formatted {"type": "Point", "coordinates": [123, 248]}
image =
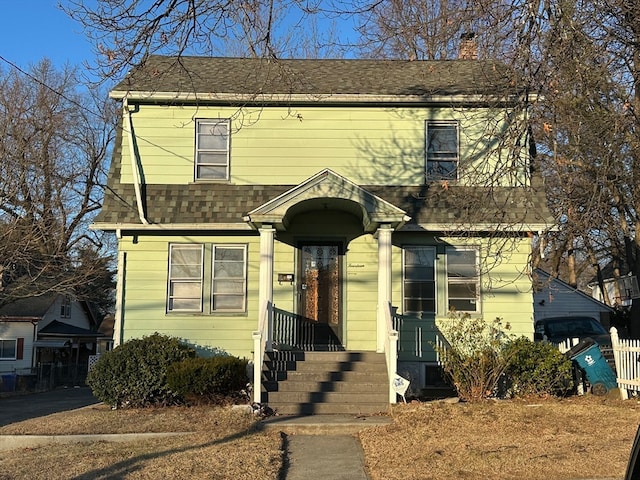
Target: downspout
{"type": "Point", "coordinates": [118, 317]}
{"type": "Point", "coordinates": [134, 161]}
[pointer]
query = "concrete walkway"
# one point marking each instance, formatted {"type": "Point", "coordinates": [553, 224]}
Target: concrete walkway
{"type": "Point", "coordinates": [322, 457]}
{"type": "Point", "coordinates": [323, 446]}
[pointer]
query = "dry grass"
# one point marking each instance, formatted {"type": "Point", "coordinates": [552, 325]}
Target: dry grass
{"type": "Point", "coordinates": [580, 437]}
{"type": "Point", "coordinates": [224, 446]}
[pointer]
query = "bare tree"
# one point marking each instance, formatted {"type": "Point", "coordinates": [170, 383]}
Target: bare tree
{"type": "Point", "coordinates": [54, 149]}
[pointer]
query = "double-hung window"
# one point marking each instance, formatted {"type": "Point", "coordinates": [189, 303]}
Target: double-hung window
{"type": "Point", "coordinates": [442, 147]}
{"type": "Point", "coordinates": [463, 279]}
{"type": "Point", "coordinates": [207, 278]}
{"type": "Point", "coordinates": [419, 289]}
{"type": "Point", "coordinates": [8, 349]}
{"type": "Point", "coordinates": [185, 278]}
{"type": "Point", "coordinates": [229, 278]}
{"type": "Point", "coordinates": [212, 149]}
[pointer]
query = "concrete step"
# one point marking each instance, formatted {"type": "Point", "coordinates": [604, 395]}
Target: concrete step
{"type": "Point", "coordinates": [323, 424]}
{"type": "Point", "coordinates": [310, 376]}
{"type": "Point", "coordinates": [339, 356]}
{"type": "Point", "coordinates": [331, 408]}
{"type": "Point", "coordinates": [282, 397]}
{"type": "Point", "coordinates": [304, 386]}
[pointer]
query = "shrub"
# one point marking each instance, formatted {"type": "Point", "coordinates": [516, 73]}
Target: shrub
{"type": "Point", "coordinates": [208, 379]}
{"type": "Point", "coordinates": [135, 373]}
{"type": "Point", "coordinates": [538, 368]}
{"type": "Point", "coordinates": [475, 358]}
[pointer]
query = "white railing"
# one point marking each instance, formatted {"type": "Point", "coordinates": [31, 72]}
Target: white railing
{"type": "Point", "coordinates": [391, 352]}
{"type": "Point", "coordinates": [260, 339]}
{"type": "Point", "coordinates": [626, 353]}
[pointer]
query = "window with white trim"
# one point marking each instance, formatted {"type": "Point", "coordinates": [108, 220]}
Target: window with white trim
{"type": "Point", "coordinates": [442, 150]}
{"type": "Point", "coordinates": [8, 349]}
{"type": "Point", "coordinates": [212, 149]}
{"type": "Point", "coordinates": [463, 279]}
{"type": "Point", "coordinates": [419, 284]}
{"type": "Point", "coordinates": [229, 278]}
{"type": "Point", "coordinates": [185, 278]}
{"type": "Point", "coordinates": [207, 278]}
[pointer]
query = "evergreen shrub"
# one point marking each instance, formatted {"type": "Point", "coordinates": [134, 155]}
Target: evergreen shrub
{"type": "Point", "coordinates": [538, 368]}
{"type": "Point", "coordinates": [134, 374]}
{"type": "Point", "coordinates": [208, 379]}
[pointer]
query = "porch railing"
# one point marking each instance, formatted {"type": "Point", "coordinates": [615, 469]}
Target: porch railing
{"type": "Point", "coordinates": [626, 353]}
{"type": "Point", "coordinates": [292, 331]}
{"type": "Point", "coordinates": [260, 340]}
{"type": "Point", "coordinates": [391, 351]}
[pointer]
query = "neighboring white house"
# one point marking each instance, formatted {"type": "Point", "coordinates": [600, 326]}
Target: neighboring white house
{"type": "Point", "coordinates": [554, 298]}
{"type": "Point", "coordinates": [52, 329]}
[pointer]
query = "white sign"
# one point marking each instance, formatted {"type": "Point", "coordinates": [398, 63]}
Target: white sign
{"type": "Point", "coordinates": [400, 385]}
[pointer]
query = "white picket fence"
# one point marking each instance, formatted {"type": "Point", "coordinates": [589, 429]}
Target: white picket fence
{"type": "Point", "coordinates": [626, 353]}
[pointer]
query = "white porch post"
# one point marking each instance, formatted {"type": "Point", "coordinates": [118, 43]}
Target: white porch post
{"type": "Point", "coordinates": [265, 290]}
{"type": "Point", "coordinates": [384, 282]}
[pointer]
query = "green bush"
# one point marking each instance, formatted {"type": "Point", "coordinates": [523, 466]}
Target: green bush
{"type": "Point", "coordinates": [135, 373]}
{"type": "Point", "coordinates": [475, 358]}
{"type": "Point", "coordinates": [538, 368]}
{"type": "Point", "coordinates": [208, 379]}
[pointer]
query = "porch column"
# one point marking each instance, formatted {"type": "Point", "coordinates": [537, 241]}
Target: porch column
{"type": "Point", "coordinates": [384, 282]}
{"type": "Point", "coordinates": [265, 289]}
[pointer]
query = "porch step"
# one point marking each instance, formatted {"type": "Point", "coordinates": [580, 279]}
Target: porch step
{"type": "Point", "coordinates": [304, 383]}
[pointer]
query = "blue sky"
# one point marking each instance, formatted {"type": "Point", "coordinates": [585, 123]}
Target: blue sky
{"type": "Point", "coordinates": [33, 29]}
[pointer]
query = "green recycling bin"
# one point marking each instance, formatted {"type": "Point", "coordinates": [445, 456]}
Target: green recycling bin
{"type": "Point", "coordinates": [589, 358]}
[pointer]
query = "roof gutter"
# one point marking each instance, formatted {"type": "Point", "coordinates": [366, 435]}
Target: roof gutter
{"type": "Point", "coordinates": [134, 161]}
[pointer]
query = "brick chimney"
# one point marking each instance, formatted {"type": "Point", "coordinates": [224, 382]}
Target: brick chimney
{"type": "Point", "coordinates": [468, 47]}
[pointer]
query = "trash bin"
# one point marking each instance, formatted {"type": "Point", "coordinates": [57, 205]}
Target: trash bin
{"type": "Point", "coordinates": [589, 358]}
{"type": "Point", "coordinates": [9, 382]}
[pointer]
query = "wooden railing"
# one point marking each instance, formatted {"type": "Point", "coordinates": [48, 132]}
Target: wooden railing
{"type": "Point", "coordinates": [292, 331]}
{"type": "Point", "coordinates": [391, 351]}
{"type": "Point", "coordinates": [260, 340]}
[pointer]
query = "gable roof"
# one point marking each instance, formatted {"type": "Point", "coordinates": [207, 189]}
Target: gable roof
{"type": "Point", "coordinates": [33, 307]}
{"type": "Point", "coordinates": [57, 328]}
{"type": "Point", "coordinates": [331, 188]}
{"type": "Point", "coordinates": [211, 78]}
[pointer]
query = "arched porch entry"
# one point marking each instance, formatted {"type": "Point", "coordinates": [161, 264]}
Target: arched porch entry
{"type": "Point", "coordinates": [319, 218]}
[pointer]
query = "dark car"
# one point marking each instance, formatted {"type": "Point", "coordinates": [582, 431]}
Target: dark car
{"type": "Point", "coordinates": [558, 329]}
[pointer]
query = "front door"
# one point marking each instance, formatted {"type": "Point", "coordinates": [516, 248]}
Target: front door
{"type": "Point", "coordinates": [320, 292]}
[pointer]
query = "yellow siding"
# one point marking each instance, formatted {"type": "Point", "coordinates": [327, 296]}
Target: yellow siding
{"type": "Point", "coordinates": [506, 290]}
{"type": "Point", "coordinates": [370, 146]}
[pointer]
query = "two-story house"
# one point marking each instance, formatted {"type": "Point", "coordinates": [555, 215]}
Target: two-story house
{"type": "Point", "coordinates": [318, 206]}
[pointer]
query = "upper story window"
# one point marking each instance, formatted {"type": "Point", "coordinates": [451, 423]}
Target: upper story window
{"type": "Point", "coordinates": [212, 149]}
{"type": "Point", "coordinates": [419, 289]}
{"type": "Point", "coordinates": [443, 151]}
{"type": "Point", "coordinates": [65, 308]}
{"type": "Point", "coordinates": [463, 280]}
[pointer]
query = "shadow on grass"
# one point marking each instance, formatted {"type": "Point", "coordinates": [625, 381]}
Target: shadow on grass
{"type": "Point", "coordinates": [122, 468]}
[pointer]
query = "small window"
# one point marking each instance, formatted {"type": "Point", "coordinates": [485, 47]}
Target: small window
{"type": "Point", "coordinates": [8, 349]}
{"type": "Point", "coordinates": [463, 280]}
{"type": "Point", "coordinates": [229, 279]}
{"type": "Point", "coordinates": [442, 151]}
{"type": "Point", "coordinates": [212, 149]}
{"type": "Point", "coordinates": [185, 278]}
{"type": "Point", "coordinates": [419, 289]}
{"type": "Point", "coordinates": [65, 308]}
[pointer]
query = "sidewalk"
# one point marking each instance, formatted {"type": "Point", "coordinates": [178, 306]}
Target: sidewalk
{"type": "Point", "coordinates": [323, 446]}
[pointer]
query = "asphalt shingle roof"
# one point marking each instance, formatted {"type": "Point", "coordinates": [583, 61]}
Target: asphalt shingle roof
{"type": "Point", "coordinates": [256, 77]}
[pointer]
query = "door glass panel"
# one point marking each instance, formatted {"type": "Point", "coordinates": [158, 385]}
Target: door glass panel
{"type": "Point", "coordinates": [320, 299]}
